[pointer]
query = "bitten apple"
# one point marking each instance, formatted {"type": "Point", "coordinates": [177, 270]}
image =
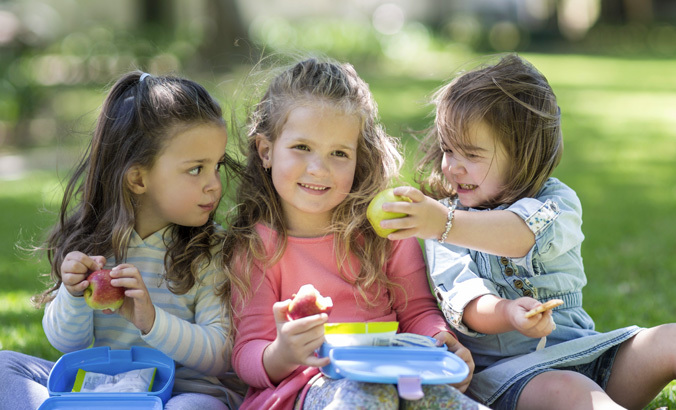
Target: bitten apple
{"type": "Point", "coordinates": [308, 301]}
{"type": "Point", "coordinates": [100, 294]}
{"type": "Point", "coordinates": [375, 212]}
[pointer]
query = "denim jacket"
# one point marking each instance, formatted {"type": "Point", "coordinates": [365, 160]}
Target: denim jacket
{"type": "Point", "coordinates": [552, 269]}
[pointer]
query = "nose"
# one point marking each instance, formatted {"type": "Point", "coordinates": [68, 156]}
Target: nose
{"type": "Point", "coordinates": [454, 164]}
{"type": "Point", "coordinates": [317, 166]}
{"type": "Point", "coordinates": [213, 183]}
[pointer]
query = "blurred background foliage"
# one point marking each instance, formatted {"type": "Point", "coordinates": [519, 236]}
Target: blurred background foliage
{"type": "Point", "coordinates": [612, 64]}
{"type": "Point", "coordinates": [57, 55]}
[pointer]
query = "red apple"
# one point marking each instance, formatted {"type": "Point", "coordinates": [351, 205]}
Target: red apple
{"type": "Point", "coordinates": [308, 301]}
{"type": "Point", "coordinates": [100, 294]}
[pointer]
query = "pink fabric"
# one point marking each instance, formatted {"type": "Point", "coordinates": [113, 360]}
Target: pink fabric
{"type": "Point", "coordinates": [311, 260]}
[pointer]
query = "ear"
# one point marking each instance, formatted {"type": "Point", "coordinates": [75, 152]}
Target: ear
{"type": "Point", "coordinates": [264, 147]}
{"type": "Point", "coordinates": [135, 179]}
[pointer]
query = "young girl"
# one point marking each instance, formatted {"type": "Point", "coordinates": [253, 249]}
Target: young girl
{"type": "Point", "coordinates": [316, 156]}
{"type": "Point", "coordinates": [141, 201]}
{"type": "Point", "coordinates": [507, 239]}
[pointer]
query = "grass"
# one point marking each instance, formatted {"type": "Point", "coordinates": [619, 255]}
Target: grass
{"type": "Point", "coordinates": [620, 140]}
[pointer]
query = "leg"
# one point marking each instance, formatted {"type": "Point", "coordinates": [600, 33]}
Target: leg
{"type": "Point", "coordinates": [327, 393]}
{"type": "Point", "coordinates": [194, 401]}
{"type": "Point", "coordinates": [643, 366]}
{"type": "Point", "coordinates": [23, 381]}
{"type": "Point", "coordinates": [564, 389]}
{"type": "Point", "coordinates": [442, 396]}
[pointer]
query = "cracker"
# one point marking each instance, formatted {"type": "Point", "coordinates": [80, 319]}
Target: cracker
{"type": "Point", "coordinates": [550, 304]}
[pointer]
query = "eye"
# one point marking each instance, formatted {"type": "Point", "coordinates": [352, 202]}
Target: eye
{"type": "Point", "coordinates": [341, 154]}
{"type": "Point", "coordinates": [301, 147]}
{"type": "Point", "coordinates": [220, 166]}
{"type": "Point", "coordinates": [196, 170]}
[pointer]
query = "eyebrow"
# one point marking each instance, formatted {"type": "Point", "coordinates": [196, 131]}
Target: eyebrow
{"type": "Point", "coordinates": [202, 160]}
{"type": "Point", "coordinates": [306, 141]}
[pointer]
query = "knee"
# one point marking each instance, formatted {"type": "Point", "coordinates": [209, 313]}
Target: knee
{"type": "Point", "coordinates": [9, 359]}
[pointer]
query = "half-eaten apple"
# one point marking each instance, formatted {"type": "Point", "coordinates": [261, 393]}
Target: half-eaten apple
{"type": "Point", "coordinates": [307, 302]}
{"type": "Point", "coordinates": [101, 294]}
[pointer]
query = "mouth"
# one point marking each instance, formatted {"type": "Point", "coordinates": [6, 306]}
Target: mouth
{"type": "Point", "coordinates": [311, 187]}
{"type": "Point", "coordinates": [467, 187]}
{"type": "Point", "coordinates": [208, 207]}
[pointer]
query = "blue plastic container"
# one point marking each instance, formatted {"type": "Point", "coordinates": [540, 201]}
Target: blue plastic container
{"type": "Point", "coordinates": [406, 367]}
{"type": "Point", "coordinates": [108, 361]}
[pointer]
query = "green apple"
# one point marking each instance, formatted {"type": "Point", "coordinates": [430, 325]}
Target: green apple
{"type": "Point", "coordinates": [101, 294]}
{"type": "Point", "coordinates": [375, 212]}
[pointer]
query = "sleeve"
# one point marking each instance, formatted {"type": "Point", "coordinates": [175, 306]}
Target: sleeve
{"type": "Point", "coordinates": [455, 280]}
{"type": "Point", "coordinates": [255, 329]}
{"type": "Point", "coordinates": [203, 345]}
{"type": "Point", "coordinates": [417, 310]}
{"type": "Point", "coordinates": [554, 217]}
{"type": "Point", "coordinates": [68, 322]}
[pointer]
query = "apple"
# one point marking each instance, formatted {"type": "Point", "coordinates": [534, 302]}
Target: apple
{"type": "Point", "coordinates": [375, 212]}
{"type": "Point", "coordinates": [100, 294]}
{"type": "Point", "coordinates": [307, 302]}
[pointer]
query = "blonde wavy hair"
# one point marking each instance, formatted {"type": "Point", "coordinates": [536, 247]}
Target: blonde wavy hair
{"type": "Point", "coordinates": [378, 162]}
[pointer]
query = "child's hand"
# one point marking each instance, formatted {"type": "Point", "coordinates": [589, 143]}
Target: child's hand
{"type": "Point", "coordinates": [426, 216]}
{"type": "Point", "coordinates": [137, 307]}
{"type": "Point", "coordinates": [537, 326]}
{"type": "Point", "coordinates": [295, 343]}
{"type": "Point", "coordinates": [462, 352]}
{"type": "Point", "coordinates": [75, 268]}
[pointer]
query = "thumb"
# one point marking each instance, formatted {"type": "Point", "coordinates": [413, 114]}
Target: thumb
{"type": "Point", "coordinates": [281, 310]}
{"type": "Point", "coordinates": [100, 260]}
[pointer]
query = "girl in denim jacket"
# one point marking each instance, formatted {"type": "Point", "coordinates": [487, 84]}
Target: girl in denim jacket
{"type": "Point", "coordinates": [505, 238]}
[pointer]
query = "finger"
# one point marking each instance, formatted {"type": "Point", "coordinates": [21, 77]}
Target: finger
{"type": "Point", "coordinates": [100, 260]}
{"type": "Point", "coordinates": [410, 192]}
{"type": "Point", "coordinates": [317, 361]}
{"type": "Point", "coordinates": [280, 310]}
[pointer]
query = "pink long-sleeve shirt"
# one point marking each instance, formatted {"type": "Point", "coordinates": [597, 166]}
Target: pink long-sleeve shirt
{"type": "Point", "coordinates": [312, 260]}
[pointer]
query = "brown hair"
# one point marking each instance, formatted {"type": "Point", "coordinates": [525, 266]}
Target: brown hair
{"type": "Point", "coordinates": [519, 105]}
{"type": "Point", "coordinates": [98, 209]}
{"type": "Point", "coordinates": [378, 161]}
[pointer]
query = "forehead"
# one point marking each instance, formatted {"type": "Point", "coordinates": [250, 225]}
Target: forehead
{"type": "Point", "coordinates": [477, 136]}
{"type": "Point", "coordinates": [321, 123]}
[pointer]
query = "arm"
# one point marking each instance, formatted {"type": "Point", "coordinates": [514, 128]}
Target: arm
{"type": "Point", "coordinates": [491, 315]}
{"type": "Point", "coordinates": [68, 322]}
{"type": "Point", "coordinates": [498, 232]}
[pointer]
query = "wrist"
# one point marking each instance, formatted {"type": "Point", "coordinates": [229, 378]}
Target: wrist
{"type": "Point", "coordinates": [449, 221]}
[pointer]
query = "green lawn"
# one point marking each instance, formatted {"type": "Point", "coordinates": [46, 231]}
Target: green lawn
{"type": "Point", "coordinates": [619, 120]}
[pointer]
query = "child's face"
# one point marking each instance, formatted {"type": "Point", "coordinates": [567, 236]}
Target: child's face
{"type": "Point", "coordinates": [313, 162]}
{"type": "Point", "coordinates": [184, 185]}
{"type": "Point", "coordinates": [478, 171]}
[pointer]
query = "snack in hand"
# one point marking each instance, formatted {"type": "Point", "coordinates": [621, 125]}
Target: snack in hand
{"type": "Point", "coordinates": [550, 304]}
{"type": "Point", "coordinates": [375, 213]}
{"type": "Point", "coordinates": [308, 301]}
{"type": "Point", "coordinates": [100, 294]}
